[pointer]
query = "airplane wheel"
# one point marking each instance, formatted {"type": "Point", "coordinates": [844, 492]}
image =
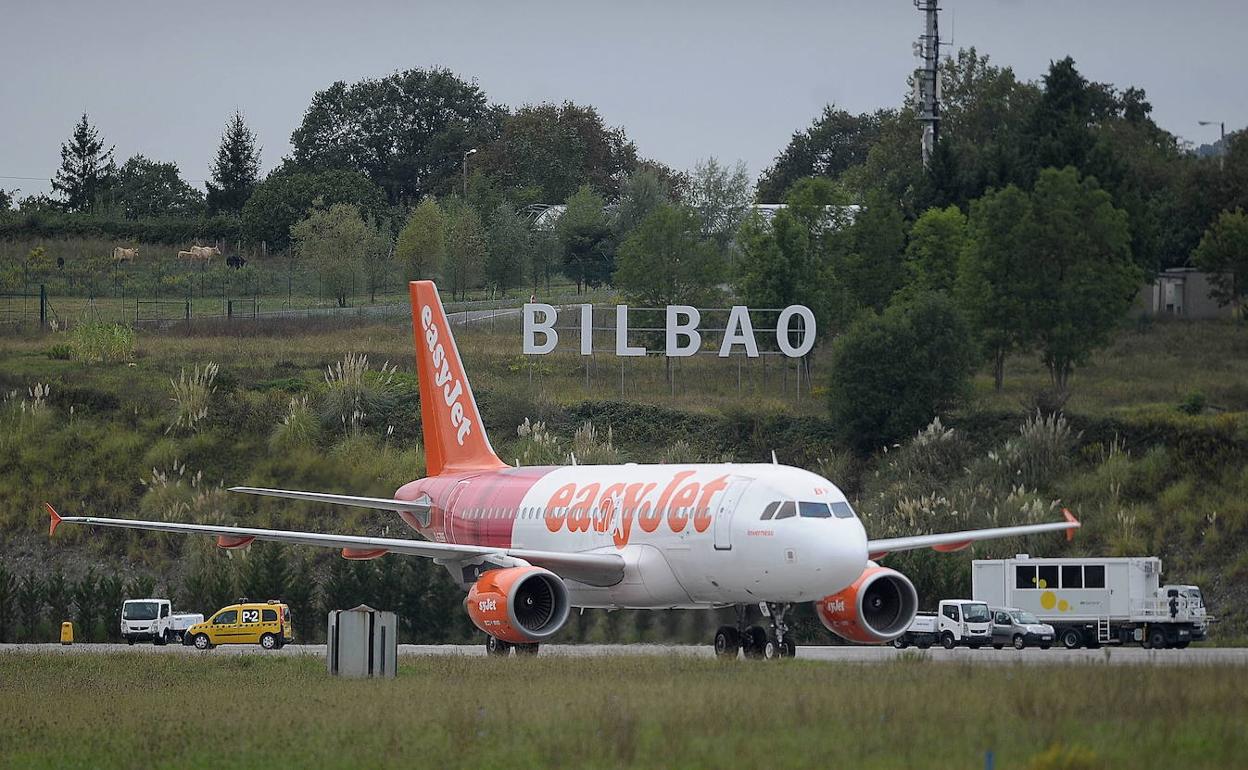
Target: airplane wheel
{"type": "Point", "coordinates": [754, 643]}
{"type": "Point", "coordinates": [727, 643]}
{"type": "Point", "coordinates": [901, 643]}
{"type": "Point", "coordinates": [790, 647]}
{"type": "Point", "coordinates": [771, 649]}
{"type": "Point", "coordinates": [496, 646]}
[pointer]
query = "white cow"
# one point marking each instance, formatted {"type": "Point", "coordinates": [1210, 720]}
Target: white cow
{"type": "Point", "coordinates": [206, 253]}
{"type": "Point", "coordinates": [124, 255]}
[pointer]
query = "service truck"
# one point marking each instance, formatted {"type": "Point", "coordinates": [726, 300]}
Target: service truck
{"type": "Point", "coordinates": [957, 622]}
{"type": "Point", "coordinates": [1095, 601]}
{"type": "Point", "coordinates": [154, 619]}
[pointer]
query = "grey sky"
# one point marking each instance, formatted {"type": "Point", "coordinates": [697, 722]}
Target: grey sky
{"type": "Point", "coordinates": [685, 79]}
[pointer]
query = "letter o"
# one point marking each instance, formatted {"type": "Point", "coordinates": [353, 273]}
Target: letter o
{"type": "Point", "coordinates": [782, 331]}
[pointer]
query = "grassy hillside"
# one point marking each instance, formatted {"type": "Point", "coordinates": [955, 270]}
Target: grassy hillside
{"type": "Point", "coordinates": [1152, 453]}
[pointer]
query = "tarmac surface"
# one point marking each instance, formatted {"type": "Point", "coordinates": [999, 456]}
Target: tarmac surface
{"type": "Point", "coordinates": [1194, 656]}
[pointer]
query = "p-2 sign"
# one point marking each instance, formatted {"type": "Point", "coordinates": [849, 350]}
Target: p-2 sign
{"type": "Point", "coordinates": [251, 616]}
{"type": "Point", "coordinates": [681, 334]}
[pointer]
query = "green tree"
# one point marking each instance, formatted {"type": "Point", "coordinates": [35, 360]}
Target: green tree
{"type": "Point", "coordinates": [993, 274]}
{"type": "Point", "coordinates": [147, 188]}
{"type": "Point", "coordinates": [141, 587]}
{"type": "Point", "coordinates": [837, 140]}
{"type": "Point", "coordinates": [872, 270]}
{"type": "Point", "coordinates": [1223, 253]}
{"type": "Point", "coordinates": [892, 373]}
{"type": "Point", "coordinates": [8, 603]}
{"type": "Point", "coordinates": [667, 261]}
{"type": "Point", "coordinates": [266, 573]}
{"type": "Point", "coordinates": [236, 169]}
{"type": "Point", "coordinates": [1084, 276]}
{"type": "Point", "coordinates": [547, 151]}
{"type": "Point", "coordinates": [721, 197]}
{"type": "Point", "coordinates": [87, 169]}
{"type": "Point", "coordinates": [545, 253]}
{"type": "Point", "coordinates": [59, 596]}
{"type": "Point", "coordinates": [332, 243]}
{"type": "Point", "coordinates": [30, 601]}
{"type": "Point", "coordinates": [286, 197]}
{"type": "Point", "coordinates": [407, 132]}
{"type": "Point", "coordinates": [422, 241]}
{"type": "Point", "coordinates": [300, 596]}
{"type": "Point", "coordinates": [86, 604]}
{"type": "Point", "coordinates": [936, 243]}
{"type": "Point", "coordinates": [507, 249]}
{"type": "Point", "coordinates": [640, 194]}
{"type": "Point", "coordinates": [111, 592]}
{"type": "Point", "coordinates": [464, 265]}
{"type": "Point", "coordinates": [585, 239]}
{"type": "Point", "coordinates": [378, 260]}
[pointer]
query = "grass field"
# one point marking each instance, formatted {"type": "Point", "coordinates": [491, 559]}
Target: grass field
{"type": "Point", "coordinates": [134, 710]}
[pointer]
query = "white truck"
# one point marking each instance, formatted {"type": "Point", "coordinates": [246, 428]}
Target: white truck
{"type": "Point", "coordinates": [957, 622]}
{"type": "Point", "coordinates": [154, 619]}
{"type": "Point", "coordinates": [1095, 601]}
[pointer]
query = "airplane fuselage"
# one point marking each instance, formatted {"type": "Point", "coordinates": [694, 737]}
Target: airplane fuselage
{"type": "Point", "coordinates": [690, 535]}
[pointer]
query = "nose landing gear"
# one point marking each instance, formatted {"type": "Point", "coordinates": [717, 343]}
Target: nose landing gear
{"type": "Point", "coordinates": [756, 642]}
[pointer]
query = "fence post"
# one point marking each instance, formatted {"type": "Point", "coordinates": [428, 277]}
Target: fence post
{"type": "Point", "coordinates": [188, 310]}
{"type": "Point", "coordinates": [43, 306]}
{"type": "Point", "coordinates": [229, 308]}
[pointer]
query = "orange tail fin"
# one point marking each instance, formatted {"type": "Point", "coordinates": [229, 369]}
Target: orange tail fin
{"type": "Point", "coordinates": [455, 437]}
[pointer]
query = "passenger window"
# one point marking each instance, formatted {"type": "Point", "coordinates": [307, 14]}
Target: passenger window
{"type": "Point", "coordinates": [164, 611]}
{"type": "Point", "coordinates": [787, 510]}
{"type": "Point", "coordinates": [251, 616]}
{"type": "Point", "coordinates": [1048, 576]}
{"type": "Point", "coordinates": [1072, 576]}
{"type": "Point", "coordinates": [842, 511]}
{"type": "Point", "coordinates": [1025, 576]}
{"type": "Point", "coordinates": [1003, 619]}
{"type": "Point", "coordinates": [770, 510]}
{"type": "Point", "coordinates": [814, 511]}
{"type": "Point", "coordinates": [269, 616]}
{"type": "Point", "coordinates": [1094, 576]}
{"type": "Point", "coordinates": [227, 618]}
{"type": "Point", "coordinates": [951, 612]}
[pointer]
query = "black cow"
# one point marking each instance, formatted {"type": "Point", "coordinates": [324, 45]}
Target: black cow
{"type": "Point", "coordinates": [235, 261]}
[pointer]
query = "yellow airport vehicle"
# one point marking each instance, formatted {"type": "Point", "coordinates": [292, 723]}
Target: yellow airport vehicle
{"type": "Point", "coordinates": [264, 623]}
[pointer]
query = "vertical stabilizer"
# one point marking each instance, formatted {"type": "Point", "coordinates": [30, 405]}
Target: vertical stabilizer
{"type": "Point", "coordinates": [455, 438]}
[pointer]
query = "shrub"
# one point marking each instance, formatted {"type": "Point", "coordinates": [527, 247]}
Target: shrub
{"type": "Point", "coordinates": [100, 343]}
{"type": "Point", "coordinates": [61, 351]}
{"type": "Point", "coordinates": [353, 392]}
{"type": "Point", "coordinates": [537, 445]}
{"type": "Point", "coordinates": [1194, 403]}
{"type": "Point", "coordinates": [192, 395]}
{"type": "Point", "coordinates": [588, 448]}
{"type": "Point", "coordinates": [298, 428]}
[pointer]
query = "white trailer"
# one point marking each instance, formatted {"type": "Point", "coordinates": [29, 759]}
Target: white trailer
{"type": "Point", "coordinates": [1095, 601]}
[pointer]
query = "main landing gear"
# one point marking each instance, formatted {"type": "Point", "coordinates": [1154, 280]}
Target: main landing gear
{"type": "Point", "coordinates": [495, 647]}
{"type": "Point", "coordinates": [756, 642]}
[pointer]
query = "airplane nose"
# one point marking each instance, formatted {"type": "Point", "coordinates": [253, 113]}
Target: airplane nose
{"type": "Point", "coordinates": [842, 555]}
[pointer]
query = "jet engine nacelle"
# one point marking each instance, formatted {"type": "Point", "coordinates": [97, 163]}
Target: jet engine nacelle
{"type": "Point", "coordinates": [877, 608]}
{"type": "Point", "coordinates": [518, 604]}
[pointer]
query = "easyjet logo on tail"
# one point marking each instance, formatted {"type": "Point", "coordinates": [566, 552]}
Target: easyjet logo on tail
{"type": "Point", "coordinates": [452, 388]}
{"type": "Point", "coordinates": [616, 507]}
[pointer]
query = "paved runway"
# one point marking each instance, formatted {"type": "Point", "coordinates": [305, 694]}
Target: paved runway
{"type": "Point", "coordinates": [1194, 656]}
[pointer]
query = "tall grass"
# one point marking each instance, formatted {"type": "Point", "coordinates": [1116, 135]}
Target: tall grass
{"type": "Point", "coordinates": [100, 343]}
{"type": "Point", "coordinates": [192, 395]}
{"type": "Point", "coordinates": [646, 711]}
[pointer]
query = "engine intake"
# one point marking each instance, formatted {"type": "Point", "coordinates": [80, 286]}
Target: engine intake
{"type": "Point", "coordinates": [877, 608]}
{"type": "Point", "coordinates": [518, 604]}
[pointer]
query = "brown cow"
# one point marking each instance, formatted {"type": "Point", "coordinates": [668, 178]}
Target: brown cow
{"type": "Point", "coordinates": [125, 255]}
{"type": "Point", "coordinates": [206, 253]}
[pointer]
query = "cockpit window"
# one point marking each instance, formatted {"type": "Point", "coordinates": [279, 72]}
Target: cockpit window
{"type": "Point", "coordinates": [842, 510]}
{"type": "Point", "coordinates": [770, 510]}
{"type": "Point", "coordinates": [814, 510]}
{"type": "Point", "coordinates": [787, 510]}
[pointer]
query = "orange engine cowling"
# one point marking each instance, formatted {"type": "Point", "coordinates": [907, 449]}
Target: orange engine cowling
{"type": "Point", "coordinates": [877, 608]}
{"type": "Point", "coordinates": [518, 604]}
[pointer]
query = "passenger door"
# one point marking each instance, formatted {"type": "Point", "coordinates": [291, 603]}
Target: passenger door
{"type": "Point", "coordinates": [1002, 628]}
{"type": "Point", "coordinates": [224, 629]}
{"type": "Point", "coordinates": [724, 510]}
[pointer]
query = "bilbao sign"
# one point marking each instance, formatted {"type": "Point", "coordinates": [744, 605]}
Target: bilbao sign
{"type": "Point", "coordinates": [682, 334]}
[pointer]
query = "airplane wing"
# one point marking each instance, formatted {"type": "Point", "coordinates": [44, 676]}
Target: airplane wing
{"type": "Point", "coordinates": [382, 503]}
{"type": "Point", "coordinates": [596, 569]}
{"type": "Point", "coordinates": [956, 541]}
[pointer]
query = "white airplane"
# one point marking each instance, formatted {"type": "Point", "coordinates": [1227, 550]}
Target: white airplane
{"type": "Point", "coordinates": [530, 544]}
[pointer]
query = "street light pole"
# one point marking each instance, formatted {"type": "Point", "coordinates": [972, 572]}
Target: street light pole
{"type": "Point", "coordinates": [1221, 139]}
{"type": "Point", "coordinates": [466, 154]}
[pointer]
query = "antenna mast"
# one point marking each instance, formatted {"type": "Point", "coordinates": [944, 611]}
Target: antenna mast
{"type": "Point", "coordinates": [927, 77]}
